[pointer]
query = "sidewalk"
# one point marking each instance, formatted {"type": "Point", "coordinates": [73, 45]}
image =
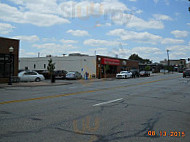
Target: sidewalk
{"type": "Point", "coordinates": [57, 82]}
{"type": "Point", "coordinates": [34, 84]}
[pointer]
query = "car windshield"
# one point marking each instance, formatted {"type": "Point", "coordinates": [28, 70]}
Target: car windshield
{"type": "Point", "coordinates": [71, 73]}
{"type": "Point", "coordinates": [123, 72]}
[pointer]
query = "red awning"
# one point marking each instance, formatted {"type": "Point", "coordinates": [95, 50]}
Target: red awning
{"type": "Point", "coordinates": [108, 61]}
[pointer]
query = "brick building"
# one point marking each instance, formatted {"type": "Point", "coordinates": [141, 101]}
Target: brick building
{"type": "Point", "coordinates": [109, 66]}
{"type": "Point", "coordinates": [7, 59]}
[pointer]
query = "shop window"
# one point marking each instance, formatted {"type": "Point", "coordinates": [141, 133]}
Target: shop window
{"type": "Point", "coordinates": [5, 65]}
{"type": "Point", "coordinates": [111, 69]}
{"type": "Point", "coordinates": [44, 66]}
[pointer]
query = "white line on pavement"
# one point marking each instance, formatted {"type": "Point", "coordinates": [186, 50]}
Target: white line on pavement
{"type": "Point", "coordinates": [108, 102]}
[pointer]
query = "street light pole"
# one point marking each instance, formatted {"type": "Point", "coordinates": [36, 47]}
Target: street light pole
{"type": "Point", "coordinates": [11, 49]}
{"type": "Point", "coordinates": [168, 59]}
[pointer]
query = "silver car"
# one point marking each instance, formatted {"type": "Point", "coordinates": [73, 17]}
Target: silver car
{"type": "Point", "coordinates": [73, 75]}
{"type": "Point", "coordinates": [30, 76]}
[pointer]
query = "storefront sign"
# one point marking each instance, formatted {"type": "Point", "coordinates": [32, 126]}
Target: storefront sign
{"type": "Point", "coordinates": [107, 61]}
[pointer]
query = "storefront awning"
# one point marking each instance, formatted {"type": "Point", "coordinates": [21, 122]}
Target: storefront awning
{"type": "Point", "coordinates": [108, 61]}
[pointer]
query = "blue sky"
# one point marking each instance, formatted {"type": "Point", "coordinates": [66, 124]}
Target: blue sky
{"type": "Point", "coordinates": [109, 27]}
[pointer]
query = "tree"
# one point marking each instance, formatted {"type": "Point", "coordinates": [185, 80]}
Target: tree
{"type": "Point", "coordinates": [147, 68]}
{"type": "Point", "coordinates": [51, 68]}
{"type": "Point", "coordinates": [138, 58]}
{"type": "Point", "coordinates": [135, 57]}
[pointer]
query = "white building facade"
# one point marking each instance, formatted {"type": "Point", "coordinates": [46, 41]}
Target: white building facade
{"type": "Point", "coordinates": [81, 64]}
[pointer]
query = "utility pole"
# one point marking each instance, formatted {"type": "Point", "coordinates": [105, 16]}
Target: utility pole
{"type": "Point", "coordinates": [168, 59]}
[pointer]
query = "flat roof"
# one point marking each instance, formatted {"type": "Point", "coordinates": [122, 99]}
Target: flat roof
{"type": "Point", "coordinates": [9, 38]}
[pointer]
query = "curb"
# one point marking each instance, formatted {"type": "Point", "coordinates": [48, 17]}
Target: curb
{"type": "Point", "coordinates": [35, 85]}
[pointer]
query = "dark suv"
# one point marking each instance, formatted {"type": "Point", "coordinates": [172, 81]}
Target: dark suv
{"type": "Point", "coordinates": [60, 74]}
{"type": "Point", "coordinates": [186, 73]}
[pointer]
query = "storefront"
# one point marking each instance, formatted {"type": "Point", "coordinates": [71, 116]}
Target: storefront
{"type": "Point", "coordinates": [8, 58]}
{"type": "Point", "coordinates": [108, 67]}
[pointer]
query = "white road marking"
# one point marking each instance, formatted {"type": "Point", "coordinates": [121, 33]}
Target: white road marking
{"type": "Point", "coordinates": [108, 102]}
{"type": "Point", "coordinates": [72, 87]}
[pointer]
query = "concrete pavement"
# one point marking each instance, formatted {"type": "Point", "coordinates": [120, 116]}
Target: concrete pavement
{"type": "Point", "coordinates": [119, 110]}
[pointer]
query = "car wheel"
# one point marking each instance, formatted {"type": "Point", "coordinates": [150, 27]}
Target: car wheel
{"type": "Point", "coordinates": [38, 79]}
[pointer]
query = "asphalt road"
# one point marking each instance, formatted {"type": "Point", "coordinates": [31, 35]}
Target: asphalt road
{"type": "Point", "coordinates": [126, 110]}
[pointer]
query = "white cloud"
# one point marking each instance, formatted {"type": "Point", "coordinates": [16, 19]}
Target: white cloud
{"type": "Point", "coordinates": [54, 49]}
{"type": "Point", "coordinates": [162, 17]}
{"type": "Point", "coordinates": [53, 39]}
{"type": "Point", "coordinates": [102, 25]}
{"type": "Point", "coordinates": [152, 53]}
{"type": "Point", "coordinates": [179, 51]}
{"type": "Point", "coordinates": [156, 1]}
{"type": "Point", "coordinates": [48, 13]}
{"type": "Point", "coordinates": [78, 32]}
{"type": "Point", "coordinates": [133, 0]}
{"type": "Point", "coordinates": [139, 11]}
{"type": "Point", "coordinates": [68, 41]}
{"type": "Point", "coordinates": [167, 2]}
{"type": "Point", "coordinates": [179, 34]}
{"type": "Point", "coordinates": [142, 24]}
{"type": "Point", "coordinates": [50, 49]}
{"type": "Point", "coordinates": [32, 38]}
{"type": "Point", "coordinates": [98, 43]}
{"type": "Point", "coordinates": [87, 8]}
{"type": "Point", "coordinates": [176, 48]}
{"type": "Point", "coordinates": [172, 41]}
{"type": "Point", "coordinates": [48, 46]}
{"type": "Point", "coordinates": [132, 21]}
{"type": "Point", "coordinates": [99, 51]}
{"type": "Point", "coordinates": [146, 50]}
{"type": "Point", "coordinates": [144, 37]}
{"type": "Point", "coordinates": [188, 24]}
{"type": "Point", "coordinates": [24, 53]}
{"type": "Point", "coordinates": [12, 14]}
{"type": "Point", "coordinates": [6, 28]}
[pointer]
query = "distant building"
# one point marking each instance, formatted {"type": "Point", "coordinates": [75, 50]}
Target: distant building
{"type": "Point", "coordinates": [7, 60]}
{"type": "Point", "coordinates": [176, 64]}
{"type": "Point", "coordinates": [154, 67]}
{"type": "Point", "coordinates": [94, 65]}
{"type": "Point", "coordinates": [188, 65]}
{"type": "Point", "coordinates": [77, 54]}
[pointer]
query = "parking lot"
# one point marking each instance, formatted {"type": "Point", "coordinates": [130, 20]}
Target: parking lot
{"type": "Point", "coordinates": [143, 109]}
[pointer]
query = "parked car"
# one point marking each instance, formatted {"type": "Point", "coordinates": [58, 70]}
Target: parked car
{"type": "Point", "coordinates": [124, 74]}
{"type": "Point", "coordinates": [186, 73]}
{"type": "Point", "coordinates": [135, 74]}
{"type": "Point", "coordinates": [30, 76]}
{"type": "Point", "coordinates": [46, 74]}
{"type": "Point", "coordinates": [73, 75]}
{"type": "Point", "coordinates": [144, 73]}
{"type": "Point", "coordinates": [60, 74]}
